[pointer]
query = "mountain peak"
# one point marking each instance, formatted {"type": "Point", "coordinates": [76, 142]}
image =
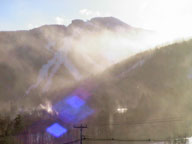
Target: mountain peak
{"type": "Point", "coordinates": [109, 22]}
{"type": "Point", "coordinates": [105, 22]}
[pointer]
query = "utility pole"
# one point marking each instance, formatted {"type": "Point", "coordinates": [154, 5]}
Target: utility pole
{"type": "Point", "coordinates": [81, 127]}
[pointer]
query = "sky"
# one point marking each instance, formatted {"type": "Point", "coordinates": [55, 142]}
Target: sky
{"type": "Point", "coordinates": [170, 16]}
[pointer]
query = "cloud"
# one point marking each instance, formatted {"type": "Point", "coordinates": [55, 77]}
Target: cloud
{"type": "Point", "coordinates": [87, 12]}
{"type": "Point", "coordinates": [32, 26]}
{"type": "Point", "coordinates": [62, 21]}
{"type": "Point", "coordinates": [90, 13]}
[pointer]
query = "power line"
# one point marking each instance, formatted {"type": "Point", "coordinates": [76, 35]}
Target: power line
{"type": "Point", "coordinates": [126, 140]}
{"type": "Point", "coordinates": [154, 121]}
{"type": "Point", "coordinates": [134, 140]}
{"type": "Point", "coordinates": [141, 123]}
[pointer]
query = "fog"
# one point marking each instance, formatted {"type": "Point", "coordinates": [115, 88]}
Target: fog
{"type": "Point", "coordinates": [57, 57]}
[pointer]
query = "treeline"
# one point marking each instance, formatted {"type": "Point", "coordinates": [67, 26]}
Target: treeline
{"type": "Point", "coordinates": [22, 124]}
{"type": "Point", "coordinates": [11, 127]}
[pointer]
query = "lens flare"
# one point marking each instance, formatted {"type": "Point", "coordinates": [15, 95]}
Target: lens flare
{"type": "Point", "coordinates": [56, 130]}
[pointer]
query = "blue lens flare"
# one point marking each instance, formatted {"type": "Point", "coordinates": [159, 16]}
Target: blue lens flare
{"type": "Point", "coordinates": [56, 130]}
{"type": "Point", "coordinates": [75, 102]}
{"type": "Point", "coordinates": [72, 109]}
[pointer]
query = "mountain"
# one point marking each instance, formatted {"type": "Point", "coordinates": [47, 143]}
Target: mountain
{"type": "Point", "coordinates": [128, 95]}
{"type": "Point", "coordinates": [52, 57]}
{"type": "Point", "coordinates": [147, 96]}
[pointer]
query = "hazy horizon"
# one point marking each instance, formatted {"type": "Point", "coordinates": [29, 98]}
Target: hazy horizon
{"type": "Point", "coordinates": [170, 17]}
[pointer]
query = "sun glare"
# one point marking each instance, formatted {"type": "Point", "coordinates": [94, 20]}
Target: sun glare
{"type": "Point", "coordinates": [171, 17]}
